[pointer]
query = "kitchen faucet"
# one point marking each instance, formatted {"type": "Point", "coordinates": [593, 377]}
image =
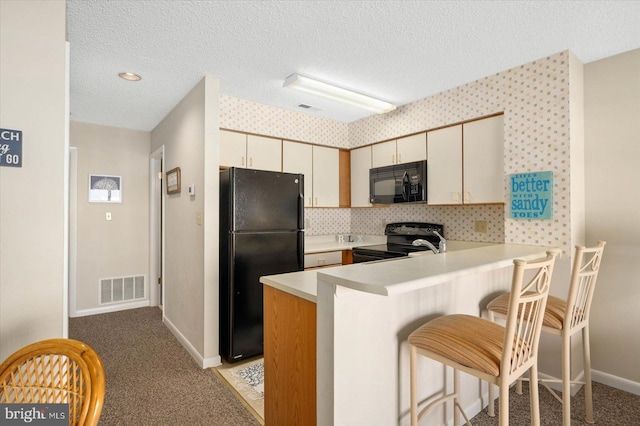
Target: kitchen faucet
{"type": "Point", "coordinates": [442, 246]}
{"type": "Point", "coordinates": [421, 242]}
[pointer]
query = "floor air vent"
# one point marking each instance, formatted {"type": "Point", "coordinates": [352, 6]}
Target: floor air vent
{"type": "Point", "coordinates": [121, 289]}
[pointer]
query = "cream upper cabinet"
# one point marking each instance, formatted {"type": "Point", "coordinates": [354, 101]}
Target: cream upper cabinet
{"type": "Point", "coordinates": [411, 148]}
{"type": "Point", "coordinates": [249, 151]}
{"type": "Point", "coordinates": [360, 165]}
{"type": "Point", "coordinates": [403, 150]}
{"type": "Point", "coordinates": [383, 154]}
{"type": "Point", "coordinates": [484, 160]}
{"type": "Point", "coordinates": [264, 153]}
{"type": "Point", "coordinates": [326, 177]}
{"type": "Point", "coordinates": [298, 158]}
{"type": "Point", "coordinates": [444, 166]}
{"type": "Point", "coordinates": [471, 151]}
{"type": "Point", "coordinates": [233, 149]}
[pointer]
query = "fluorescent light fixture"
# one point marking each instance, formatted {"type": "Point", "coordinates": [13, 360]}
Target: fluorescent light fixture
{"type": "Point", "coordinates": [315, 87]}
{"type": "Point", "coordinates": [130, 76]}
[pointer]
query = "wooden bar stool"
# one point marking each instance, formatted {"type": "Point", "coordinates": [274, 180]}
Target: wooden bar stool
{"type": "Point", "coordinates": [565, 318]}
{"type": "Point", "coordinates": [491, 352]}
{"type": "Point", "coordinates": [56, 371]}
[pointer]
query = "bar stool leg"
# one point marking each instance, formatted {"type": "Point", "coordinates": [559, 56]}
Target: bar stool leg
{"type": "Point", "coordinates": [588, 396]}
{"type": "Point", "coordinates": [534, 396]}
{"type": "Point", "coordinates": [413, 384]}
{"type": "Point", "coordinates": [566, 379]}
{"type": "Point", "coordinates": [491, 409]}
{"type": "Point", "coordinates": [504, 405]}
{"type": "Point", "coordinates": [456, 401]}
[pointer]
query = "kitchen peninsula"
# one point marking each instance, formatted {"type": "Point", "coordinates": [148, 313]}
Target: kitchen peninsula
{"type": "Point", "coordinates": [362, 315]}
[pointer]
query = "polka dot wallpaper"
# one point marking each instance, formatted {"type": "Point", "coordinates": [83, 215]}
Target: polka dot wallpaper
{"type": "Point", "coordinates": [535, 100]}
{"type": "Point", "coordinates": [252, 117]}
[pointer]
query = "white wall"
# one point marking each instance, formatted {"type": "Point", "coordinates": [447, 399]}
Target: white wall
{"type": "Point", "coordinates": [33, 213]}
{"type": "Point", "coordinates": [612, 150]}
{"type": "Point", "coordinates": [119, 247]}
{"type": "Point", "coordinates": [190, 282]}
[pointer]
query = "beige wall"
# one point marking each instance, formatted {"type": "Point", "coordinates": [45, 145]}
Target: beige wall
{"type": "Point", "coordinates": [119, 247]}
{"type": "Point", "coordinates": [188, 134]}
{"type": "Point", "coordinates": [612, 145]}
{"type": "Point", "coordinates": [33, 243]}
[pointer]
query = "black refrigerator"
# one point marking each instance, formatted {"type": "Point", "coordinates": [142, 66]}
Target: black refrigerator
{"type": "Point", "coordinates": [261, 233]}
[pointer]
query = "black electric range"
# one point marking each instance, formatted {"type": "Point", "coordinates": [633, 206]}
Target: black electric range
{"type": "Point", "coordinates": [400, 235]}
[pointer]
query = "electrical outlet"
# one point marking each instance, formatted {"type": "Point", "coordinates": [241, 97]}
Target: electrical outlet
{"type": "Point", "coordinates": [480, 226]}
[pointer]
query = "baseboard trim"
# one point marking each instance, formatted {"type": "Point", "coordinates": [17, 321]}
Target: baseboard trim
{"type": "Point", "coordinates": [110, 308]}
{"type": "Point", "coordinates": [616, 382]}
{"type": "Point", "coordinates": [197, 357]}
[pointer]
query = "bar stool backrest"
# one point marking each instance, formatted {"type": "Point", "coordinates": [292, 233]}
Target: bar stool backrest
{"type": "Point", "coordinates": [527, 304]}
{"type": "Point", "coordinates": [584, 274]}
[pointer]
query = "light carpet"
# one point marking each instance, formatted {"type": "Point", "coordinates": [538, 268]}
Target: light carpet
{"type": "Point", "coordinates": [246, 379]}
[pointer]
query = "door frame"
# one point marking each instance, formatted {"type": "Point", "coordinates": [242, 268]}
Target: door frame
{"type": "Point", "coordinates": [156, 228]}
{"type": "Point", "coordinates": [73, 232]}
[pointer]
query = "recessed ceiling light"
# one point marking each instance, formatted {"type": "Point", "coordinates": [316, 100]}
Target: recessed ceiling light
{"type": "Point", "coordinates": [130, 76]}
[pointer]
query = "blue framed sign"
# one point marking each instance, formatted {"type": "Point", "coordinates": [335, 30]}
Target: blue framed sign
{"type": "Point", "coordinates": [531, 195]}
{"type": "Point", "coordinates": [10, 148]}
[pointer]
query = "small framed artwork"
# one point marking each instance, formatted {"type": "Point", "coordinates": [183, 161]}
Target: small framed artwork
{"type": "Point", "coordinates": [105, 189]}
{"type": "Point", "coordinates": [173, 181]}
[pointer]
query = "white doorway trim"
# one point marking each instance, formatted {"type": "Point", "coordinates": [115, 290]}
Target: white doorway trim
{"type": "Point", "coordinates": [156, 228]}
{"type": "Point", "coordinates": [73, 230]}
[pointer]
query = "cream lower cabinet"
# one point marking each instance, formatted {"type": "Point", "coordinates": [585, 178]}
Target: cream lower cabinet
{"type": "Point", "coordinates": [326, 177]}
{"type": "Point", "coordinates": [466, 163]}
{"type": "Point", "coordinates": [250, 151]}
{"type": "Point", "coordinates": [402, 150]}
{"type": "Point", "coordinates": [298, 158]}
{"type": "Point", "coordinates": [360, 165]}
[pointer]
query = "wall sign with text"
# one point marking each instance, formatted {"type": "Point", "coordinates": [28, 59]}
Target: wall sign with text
{"type": "Point", "coordinates": [10, 148]}
{"type": "Point", "coordinates": [531, 195]}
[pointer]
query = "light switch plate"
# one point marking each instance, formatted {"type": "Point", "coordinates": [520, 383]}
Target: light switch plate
{"type": "Point", "coordinates": [107, 216]}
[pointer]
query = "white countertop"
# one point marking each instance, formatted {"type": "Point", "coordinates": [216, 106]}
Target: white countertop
{"type": "Point", "coordinates": [303, 284]}
{"type": "Point", "coordinates": [412, 273]}
{"type": "Point", "coordinates": [396, 276]}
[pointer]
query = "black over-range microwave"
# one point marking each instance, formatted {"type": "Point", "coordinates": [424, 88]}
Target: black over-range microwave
{"type": "Point", "coordinates": [400, 183]}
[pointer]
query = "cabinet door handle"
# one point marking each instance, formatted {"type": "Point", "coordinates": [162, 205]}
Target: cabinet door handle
{"type": "Point", "coordinates": [250, 161]}
{"type": "Point", "coordinates": [467, 196]}
{"type": "Point", "coordinates": [456, 197]}
{"type": "Point", "coordinates": [242, 161]}
{"type": "Point", "coordinates": [399, 158]}
{"type": "Point", "coordinates": [310, 201]}
{"type": "Point", "coordinates": [393, 159]}
{"type": "Point", "coordinates": [316, 202]}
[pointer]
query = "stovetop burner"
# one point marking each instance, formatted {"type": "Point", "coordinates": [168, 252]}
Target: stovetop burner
{"type": "Point", "coordinates": [400, 235]}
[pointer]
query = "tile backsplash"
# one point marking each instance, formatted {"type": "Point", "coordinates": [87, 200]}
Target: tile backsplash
{"type": "Point", "coordinates": [458, 221]}
{"type": "Point", "coordinates": [535, 100]}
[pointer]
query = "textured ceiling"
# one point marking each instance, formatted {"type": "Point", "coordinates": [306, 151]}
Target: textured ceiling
{"type": "Point", "coordinates": [398, 51]}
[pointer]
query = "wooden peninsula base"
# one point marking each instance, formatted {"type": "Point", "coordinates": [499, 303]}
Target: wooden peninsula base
{"type": "Point", "coordinates": [289, 359]}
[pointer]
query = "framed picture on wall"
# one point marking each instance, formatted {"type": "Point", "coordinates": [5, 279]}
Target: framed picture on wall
{"type": "Point", "coordinates": [173, 181]}
{"type": "Point", "coordinates": [105, 189]}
